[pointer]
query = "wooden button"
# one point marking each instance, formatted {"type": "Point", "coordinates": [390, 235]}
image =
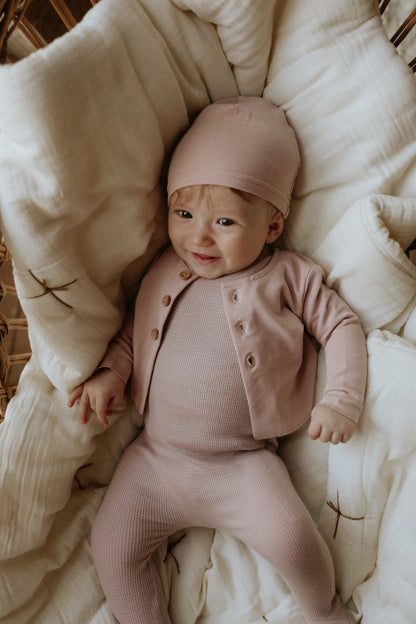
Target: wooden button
{"type": "Point", "coordinates": [154, 333]}
{"type": "Point", "coordinates": [250, 360]}
{"type": "Point", "coordinates": [166, 300]}
{"type": "Point", "coordinates": [185, 275]}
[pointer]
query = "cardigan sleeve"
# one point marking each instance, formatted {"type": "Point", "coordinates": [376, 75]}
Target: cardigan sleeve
{"type": "Point", "coordinates": [119, 354]}
{"type": "Point", "coordinates": [337, 328]}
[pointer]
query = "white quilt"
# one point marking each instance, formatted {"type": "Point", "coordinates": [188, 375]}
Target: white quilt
{"type": "Point", "coordinates": [85, 128]}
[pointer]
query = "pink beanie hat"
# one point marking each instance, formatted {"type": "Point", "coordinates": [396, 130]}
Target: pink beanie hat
{"type": "Point", "coordinates": [244, 143]}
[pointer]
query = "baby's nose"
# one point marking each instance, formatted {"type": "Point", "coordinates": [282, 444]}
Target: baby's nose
{"type": "Point", "coordinates": [202, 236]}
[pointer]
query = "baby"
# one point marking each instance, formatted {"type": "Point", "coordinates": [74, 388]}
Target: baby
{"type": "Point", "coordinates": [221, 361]}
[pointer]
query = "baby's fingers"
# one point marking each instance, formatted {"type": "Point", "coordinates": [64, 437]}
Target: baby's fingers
{"type": "Point", "coordinates": [314, 430]}
{"type": "Point", "coordinates": [84, 408]}
{"type": "Point", "coordinates": [327, 434]}
{"type": "Point", "coordinates": [84, 404]}
{"type": "Point", "coordinates": [347, 435]}
{"type": "Point", "coordinates": [75, 395]}
{"type": "Point", "coordinates": [103, 410]}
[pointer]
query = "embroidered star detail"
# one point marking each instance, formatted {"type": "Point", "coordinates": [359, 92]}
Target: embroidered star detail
{"type": "Point", "coordinates": [337, 510]}
{"type": "Point", "coordinates": [51, 290]}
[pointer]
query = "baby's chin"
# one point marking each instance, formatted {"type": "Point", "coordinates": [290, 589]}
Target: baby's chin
{"type": "Point", "coordinates": [206, 266]}
{"type": "Point", "coordinates": [208, 272]}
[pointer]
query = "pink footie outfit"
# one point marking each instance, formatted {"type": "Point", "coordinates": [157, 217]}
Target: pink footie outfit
{"type": "Point", "coordinates": [197, 464]}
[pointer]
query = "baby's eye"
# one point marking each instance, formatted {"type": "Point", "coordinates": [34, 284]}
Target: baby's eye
{"type": "Point", "coordinates": [184, 214]}
{"type": "Point", "coordinates": [225, 221]}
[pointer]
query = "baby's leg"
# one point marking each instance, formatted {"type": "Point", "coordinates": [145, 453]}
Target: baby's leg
{"type": "Point", "coordinates": [134, 518]}
{"type": "Point", "coordinates": [272, 519]}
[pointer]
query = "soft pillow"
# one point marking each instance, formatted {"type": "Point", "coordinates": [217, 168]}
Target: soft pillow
{"type": "Point", "coordinates": [352, 100]}
{"type": "Point", "coordinates": [245, 30]}
{"type": "Point", "coordinates": [366, 263]}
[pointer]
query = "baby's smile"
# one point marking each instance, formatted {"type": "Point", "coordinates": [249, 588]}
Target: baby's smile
{"type": "Point", "coordinates": [205, 259]}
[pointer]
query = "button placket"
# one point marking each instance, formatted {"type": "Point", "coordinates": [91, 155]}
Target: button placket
{"type": "Point", "coordinates": [250, 360]}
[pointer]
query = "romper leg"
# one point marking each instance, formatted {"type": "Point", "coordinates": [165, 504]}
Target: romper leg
{"type": "Point", "coordinates": [134, 518]}
{"type": "Point", "coordinates": [272, 519]}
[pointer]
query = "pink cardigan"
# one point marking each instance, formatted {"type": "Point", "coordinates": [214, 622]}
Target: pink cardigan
{"type": "Point", "coordinates": [268, 313]}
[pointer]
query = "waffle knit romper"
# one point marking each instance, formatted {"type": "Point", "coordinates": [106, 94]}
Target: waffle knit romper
{"type": "Point", "coordinates": [197, 464]}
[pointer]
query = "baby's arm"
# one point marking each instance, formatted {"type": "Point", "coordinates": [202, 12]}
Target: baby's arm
{"type": "Point", "coordinates": [98, 394]}
{"type": "Point", "coordinates": [337, 328]}
{"type": "Point", "coordinates": [329, 425]}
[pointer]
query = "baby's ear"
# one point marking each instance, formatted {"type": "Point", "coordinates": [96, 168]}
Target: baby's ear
{"type": "Point", "coordinates": [276, 225]}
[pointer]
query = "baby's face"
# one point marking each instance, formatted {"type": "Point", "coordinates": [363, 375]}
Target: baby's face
{"type": "Point", "coordinates": [218, 231]}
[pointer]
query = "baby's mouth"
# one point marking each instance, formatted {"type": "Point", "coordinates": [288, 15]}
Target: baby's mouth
{"type": "Point", "coordinates": [205, 259]}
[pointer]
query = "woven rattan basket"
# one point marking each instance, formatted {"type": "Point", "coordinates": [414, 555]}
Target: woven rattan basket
{"type": "Point", "coordinates": [27, 25]}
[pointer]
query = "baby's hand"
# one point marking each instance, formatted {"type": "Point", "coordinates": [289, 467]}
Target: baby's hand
{"type": "Point", "coordinates": [98, 394]}
{"type": "Point", "coordinates": [328, 425]}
